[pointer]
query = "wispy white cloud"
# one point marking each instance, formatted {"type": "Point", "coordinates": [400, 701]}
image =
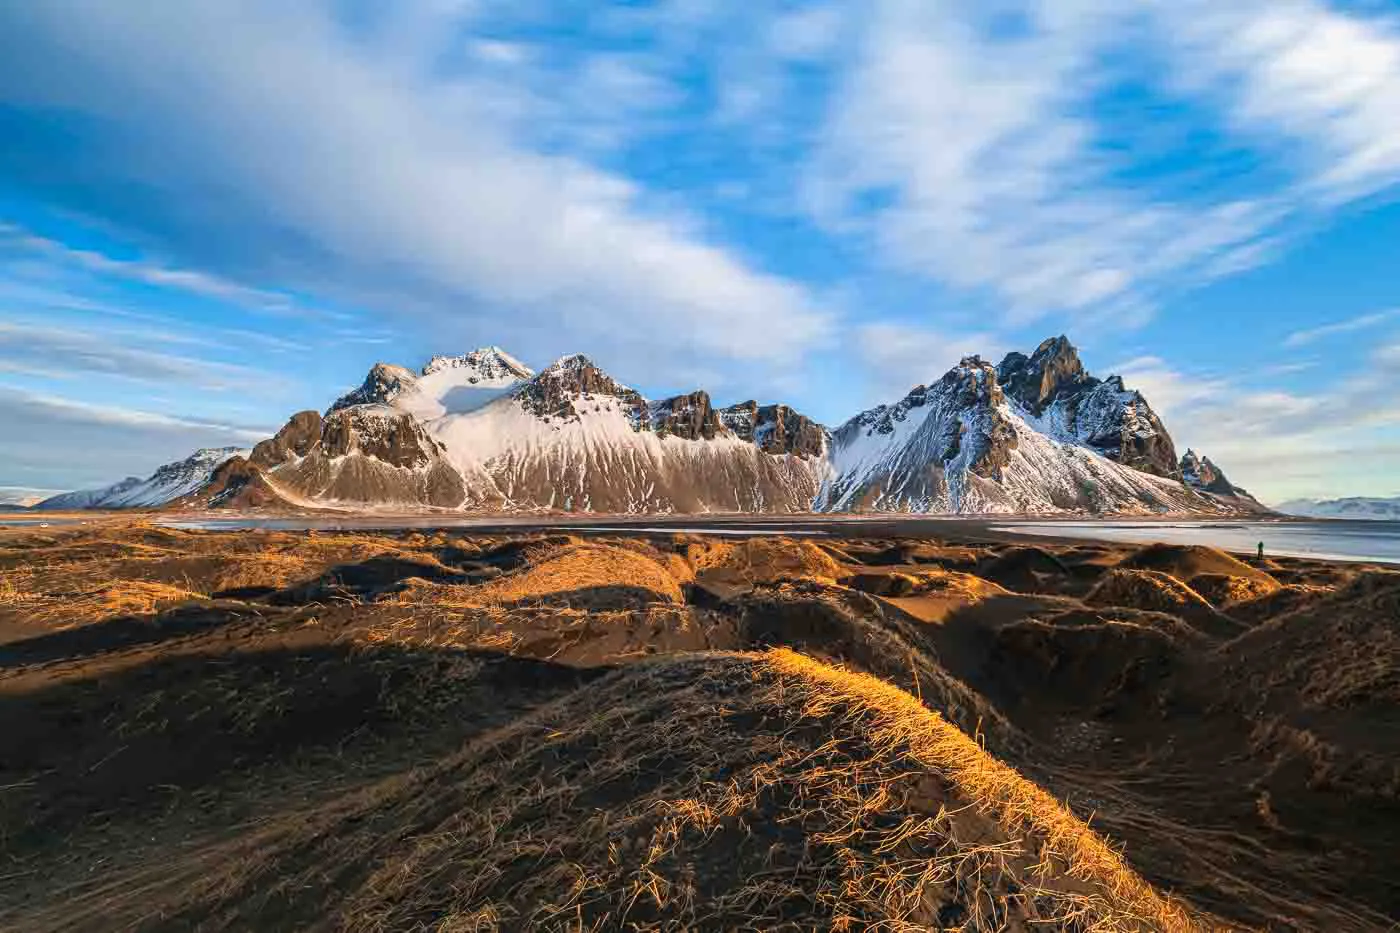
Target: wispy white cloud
{"type": "Point", "coordinates": [58, 352]}
{"type": "Point", "coordinates": [14, 237]}
{"type": "Point", "coordinates": [980, 156]}
{"type": "Point", "coordinates": [51, 441]}
{"type": "Point", "coordinates": [971, 157]}
{"type": "Point", "coordinates": [1301, 74]}
{"type": "Point", "coordinates": [1351, 325]}
{"type": "Point", "coordinates": [450, 204]}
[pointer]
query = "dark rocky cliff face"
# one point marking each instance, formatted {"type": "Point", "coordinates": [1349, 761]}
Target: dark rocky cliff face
{"type": "Point", "coordinates": [297, 438]}
{"type": "Point", "coordinates": [689, 416]}
{"type": "Point", "coordinates": [1052, 371]}
{"type": "Point", "coordinates": [1116, 422]}
{"type": "Point", "coordinates": [1199, 472]}
{"type": "Point", "coordinates": [394, 438]}
{"type": "Point", "coordinates": [396, 461]}
{"type": "Point", "coordinates": [776, 429]}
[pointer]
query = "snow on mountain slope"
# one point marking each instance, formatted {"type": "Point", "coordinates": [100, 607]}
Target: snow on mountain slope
{"type": "Point", "coordinates": [169, 482]}
{"type": "Point", "coordinates": [574, 438]}
{"type": "Point", "coordinates": [961, 446]}
{"type": "Point", "coordinates": [1356, 507]}
{"type": "Point", "coordinates": [447, 384]}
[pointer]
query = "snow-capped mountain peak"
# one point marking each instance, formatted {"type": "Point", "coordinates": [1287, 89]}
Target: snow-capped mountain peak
{"type": "Point", "coordinates": [485, 365]}
{"type": "Point", "coordinates": [446, 385]}
{"type": "Point", "coordinates": [555, 391]}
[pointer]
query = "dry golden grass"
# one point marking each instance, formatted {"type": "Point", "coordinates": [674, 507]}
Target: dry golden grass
{"type": "Point", "coordinates": [65, 610]}
{"type": "Point", "coordinates": [724, 791]}
{"type": "Point", "coordinates": [1119, 899]}
{"type": "Point", "coordinates": [764, 560]}
{"type": "Point", "coordinates": [577, 568]}
{"type": "Point", "coordinates": [1226, 590]}
{"type": "Point", "coordinates": [1146, 589]}
{"type": "Point", "coordinates": [137, 569]}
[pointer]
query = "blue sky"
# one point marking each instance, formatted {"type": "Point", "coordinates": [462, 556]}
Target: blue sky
{"type": "Point", "coordinates": [213, 214]}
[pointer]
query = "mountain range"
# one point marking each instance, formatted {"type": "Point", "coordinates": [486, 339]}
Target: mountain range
{"type": "Point", "coordinates": [483, 432]}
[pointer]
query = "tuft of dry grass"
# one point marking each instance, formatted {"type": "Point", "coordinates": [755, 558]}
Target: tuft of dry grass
{"type": "Point", "coordinates": [1119, 899]}
{"type": "Point", "coordinates": [577, 568]}
{"type": "Point", "coordinates": [762, 560]}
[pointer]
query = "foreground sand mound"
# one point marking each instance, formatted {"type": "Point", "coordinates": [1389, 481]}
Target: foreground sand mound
{"type": "Point", "coordinates": [1186, 562]}
{"type": "Point", "coordinates": [1223, 590]}
{"type": "Point", "coordinates": [733, 566]}
{"type": "Point", "coordinates": [1106, 667]}
{"type": "Point", "coordinates": [593, 575]}
{"type": "Point", "coordinates": [713, 793]}
{"type": "Point", "coordinates": [1024, 569]}
{"type": "Point", "coordinates": [1158, 592]}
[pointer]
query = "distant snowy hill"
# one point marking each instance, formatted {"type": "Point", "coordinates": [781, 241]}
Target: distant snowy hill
{"type": "Point", "coordinates": [22, 497]}
{"type": "Point", "coordinates": [483, 432]}
{"type": "Point", "coordinates": [1369, 509]}
{"type": "Point", "coordinates": [168, 482]}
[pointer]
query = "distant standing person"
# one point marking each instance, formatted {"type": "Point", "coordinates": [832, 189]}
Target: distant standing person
{"type": "Point", "coordinates": [1261, 550]}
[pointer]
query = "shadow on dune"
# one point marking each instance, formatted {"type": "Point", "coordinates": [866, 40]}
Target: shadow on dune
{"type": "Point", "coordinates": [135, 740]}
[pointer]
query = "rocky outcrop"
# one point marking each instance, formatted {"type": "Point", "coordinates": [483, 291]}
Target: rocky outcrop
{"type": "Point", "coordinates": [362, 454]}
{"type": "Point", "coordinates": [239, 484]}
{"type": "Point", "coordinates": [297, 438]}
{"type": "Point", "coordinates": [1200, 473]}
{"type": "Point", "coordinates": [776, 429]}
{"type": "Point", "coordinates": [558, 391]}
{"type": "Point", "coordinates": [1053, 390]}
{"type": "Point", "coordinates": [687, 416]}
{"type": "Point", "coordinates": [384, 384]}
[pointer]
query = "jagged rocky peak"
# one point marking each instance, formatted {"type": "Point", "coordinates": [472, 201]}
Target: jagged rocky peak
{"type": "Point", "coordinates": [483, 365]}
{"type": "Point", "coordinates": [553, 392]}
{"type": "Point", "coordinates": [1052, 388]}
{"type": "Point", "coordinates": [1199, 472]}
{"type": "Point", "coordinates": [384, 383]}
{"type": "Point", "coordinates": [690, 416]}
{"type": "Point", "coordinates": [1037, 380]}
{"type": "Point", "coordinates": [776, 429]}
{"type": "Point", "coordinates": [975, 380]}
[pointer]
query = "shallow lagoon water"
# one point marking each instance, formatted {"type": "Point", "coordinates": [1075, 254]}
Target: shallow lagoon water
{"type": "Point", "coordinates": [1335, 540]}
{"type": "Point", "coordinates": [1321, 540]}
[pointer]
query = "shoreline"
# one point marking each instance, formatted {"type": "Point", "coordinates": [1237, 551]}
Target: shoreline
{"type": "Point", "coordinates": [978, 529]}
